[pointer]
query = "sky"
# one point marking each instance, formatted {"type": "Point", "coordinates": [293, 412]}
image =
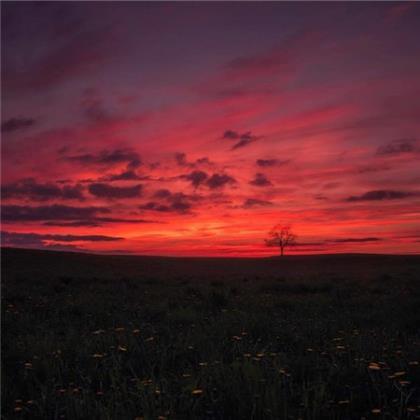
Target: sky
{"type": "Point", "coordinates": [191, 129]}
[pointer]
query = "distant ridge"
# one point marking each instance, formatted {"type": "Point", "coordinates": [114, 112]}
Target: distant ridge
{"type": "Point", "coordinates": [133, 255]}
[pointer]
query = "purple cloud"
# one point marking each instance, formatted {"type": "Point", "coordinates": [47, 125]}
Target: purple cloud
{"type": "Point", "coordinates": [260, 180]}
{"type": "Point", "coordinates": [16, 124]}
{"type": "Point", "coordinates": [219, 181]}
{"type": "Point", "coordinates": [32, 190]}
{"type": "Point", "coordinates": [103, 190]}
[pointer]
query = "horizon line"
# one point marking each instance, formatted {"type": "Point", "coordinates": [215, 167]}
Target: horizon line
{"type": "Point", "coordinates": [128, 254]}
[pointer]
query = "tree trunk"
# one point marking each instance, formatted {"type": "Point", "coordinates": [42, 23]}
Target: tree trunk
{"type": "Point", "coordinates": [281, 251]}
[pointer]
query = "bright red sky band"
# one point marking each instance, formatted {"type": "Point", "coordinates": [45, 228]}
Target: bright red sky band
{"type": "Point", "coordinates": [193, 128]}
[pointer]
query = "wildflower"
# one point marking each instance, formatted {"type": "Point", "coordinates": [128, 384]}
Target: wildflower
{"type": "Point", "coordinates": [136, 331]}
{"type": "Point", "coordinates": [97, 332]}
{"type": "Point", "coordinates": [18, 409]}
{"type": "Point", "coordinates": [376, 411]}
{"type": "Point", "coordinates": [28, 365]}
{"type": "Point", "coordinates": [150, 339]}
{"type": "Point", "coordinates": [122, 348]}
{"type": "Point", "coordinates": [197, 392]}
{"type": "Point", "coordinates": [119, 329]}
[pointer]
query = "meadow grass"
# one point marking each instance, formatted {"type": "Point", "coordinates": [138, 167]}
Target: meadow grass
{"type": "Point", "coordinates": [116, 339]}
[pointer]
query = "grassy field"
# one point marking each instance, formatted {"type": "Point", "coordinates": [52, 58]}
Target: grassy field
{"type": "Point", "coordinates": [119, 337]}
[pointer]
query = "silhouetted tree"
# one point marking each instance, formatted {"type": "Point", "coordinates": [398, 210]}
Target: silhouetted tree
{"type": "Point", "coordinates": [281, 236]}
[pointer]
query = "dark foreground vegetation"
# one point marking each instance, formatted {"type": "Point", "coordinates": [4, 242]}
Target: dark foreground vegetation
{"type": "Point", "coordinates": [101, 337]}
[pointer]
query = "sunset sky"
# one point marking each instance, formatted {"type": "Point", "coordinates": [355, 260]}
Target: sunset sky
{"type": "Point", "coordinates": [193, 128]}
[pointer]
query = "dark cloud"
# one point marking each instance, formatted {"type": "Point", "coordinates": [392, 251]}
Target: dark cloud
{"type": "Point", "coordinates": [350, 240]}
{"type": "Point", "coordinates": [379, 195]}
{"type": "Point", "coordinates": [50, 241]}
{"type": "Point", "coordinates": [15, 124]}
{"type": "Point", "coordinates": [196, 178]}
{"type": "Point", "coordinates": [66, 216]}
{"type": "Point", "coordinates": [181, 206]}
{"type": "Point", "coordinates": [152, 205]}
{"type": "Point", "coordinates": [260, 180]}
{"type": "Point", "coordinates": [109, 158]}
{"type": "Point", "coordinates": [176, 207]}
{"type": "Point", "coordinates": [15, 238]}
{"type": "Point", "coordinates": [30, 189]}
{"type": "Point", "coordinates": [14, 213]}
{"type": "Point", "coordinates": [246, 139]}
{"type": "Point", "coordinates": [243, 139]}
{"type": "Point", "coordinates": [339, 241]}
{"type": "Point", "coordinates": [172, 202]}
{"type": "Point", "coordinates": [219, 181]}
{"type": "Point", "coordinates": [163, 193]}
{"type": "Point", "coordinates": [104, 190]}
{"type": "Point", "coordinates": [265, 163]}
{"type": "Point", "coordinates": [125, 176]}
{"type": "Point", "coordinates": [230, 134]}
{"type": "Point", "coordinates": [254, 202]}
{"type": "Point", "coordinates": [181, 159]}
{"type": "Point", "coordinates": [397, 147]}
{"type": "Point", "coordinates": [77, 223]}
{"type": "Point", "coordinates": [99, 221]}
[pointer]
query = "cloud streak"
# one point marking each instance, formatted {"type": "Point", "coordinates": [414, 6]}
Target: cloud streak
{"type": "Point", "coordinates": [31, 190]}
{"type": "Point", "coordinates": [381, 195]}
{"type": "Point", "coordinates": [108, 158]}
{"type": "Point", "coordinates": [17, 124]}
{"type": "Point", "coordinates": [242, 140]}
{"type": "Point", "coordinates": [260, 180]}
{"type": "Point", "coordinates": [103, 190]}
